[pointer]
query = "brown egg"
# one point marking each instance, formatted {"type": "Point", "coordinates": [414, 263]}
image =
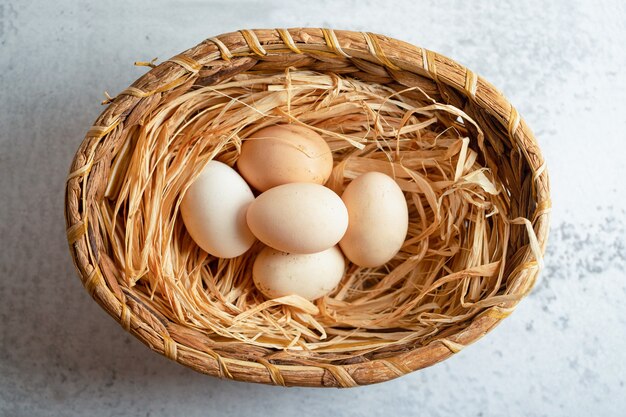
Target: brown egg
{"type": "Point", "coordinates": [379, 219]}
{"type": "Point", "coordinates": [283, 154]}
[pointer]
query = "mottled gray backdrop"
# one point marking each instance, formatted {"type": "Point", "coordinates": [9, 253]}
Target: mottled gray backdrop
{"type": "Point", "coordinates": [562, 353]}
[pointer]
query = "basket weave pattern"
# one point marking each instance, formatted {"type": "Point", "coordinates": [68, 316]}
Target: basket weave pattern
{"type": "Point", "coordinates": [221, 57]}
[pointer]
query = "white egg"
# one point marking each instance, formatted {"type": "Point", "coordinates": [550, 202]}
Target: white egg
{"type": "Point", "coordinates": [310, 276]}
{"type": "Point", "coordinates": [214, 211]}
{"type": "Point", "coordinates": [298, 218]}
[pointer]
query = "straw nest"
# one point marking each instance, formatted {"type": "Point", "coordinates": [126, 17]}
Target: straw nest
{"type": "Point", "coordinates": [473, 177]}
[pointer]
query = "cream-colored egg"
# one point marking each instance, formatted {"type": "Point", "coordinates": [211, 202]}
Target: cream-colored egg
{"type": "Point", "coordinates": [298, 218]}
{"type": "Point", "coordinates": [282, 154]}
{"type": "Point", "coordinates": [379, 219]}
{"type": "Point", "coordinates": [214, 211]}
{"type": "Point", "coordinates": [310, 276]}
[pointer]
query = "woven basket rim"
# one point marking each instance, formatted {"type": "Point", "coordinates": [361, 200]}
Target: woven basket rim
{"type": "Point", "coordinates": [394, 55]}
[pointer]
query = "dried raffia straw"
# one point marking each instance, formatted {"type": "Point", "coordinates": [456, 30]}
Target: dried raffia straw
{"type": "Point", "coordinates": [473, 177]}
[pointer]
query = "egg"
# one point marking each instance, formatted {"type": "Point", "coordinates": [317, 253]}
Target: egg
{"type": "Point", "coordinates": [379, 219]}
{"type": "Point", "coordinates": [310, 276]}
{"type": "Point", "coordinates": [282, 154]}
{"type": "Point", "coordinates": [214, 211]}
{"type": "Point", "coordinates": [298, 218]}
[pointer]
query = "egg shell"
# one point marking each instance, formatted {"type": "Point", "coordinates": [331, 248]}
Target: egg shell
{"type": "Point", "coordinates": [310, 276]}
{"type": "Point", "coordinates": [282, 154]}
{"type": "Point", "coordinates": [298, 218]}
{"type": "Point", "coordinates": [379, 219]}
{"type": "Point", "coordinates": [214, 211]}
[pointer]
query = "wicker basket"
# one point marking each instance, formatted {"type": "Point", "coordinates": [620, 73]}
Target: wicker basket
{"type": "Point", "coordinates": [366, 56]}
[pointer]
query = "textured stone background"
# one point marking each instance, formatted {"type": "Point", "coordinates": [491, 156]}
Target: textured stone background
{"type": "Point", "coordinates": [562, 352]}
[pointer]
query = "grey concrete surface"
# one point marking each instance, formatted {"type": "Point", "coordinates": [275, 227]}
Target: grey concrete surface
{"type": "Point", "coordinates": [560, 354]}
